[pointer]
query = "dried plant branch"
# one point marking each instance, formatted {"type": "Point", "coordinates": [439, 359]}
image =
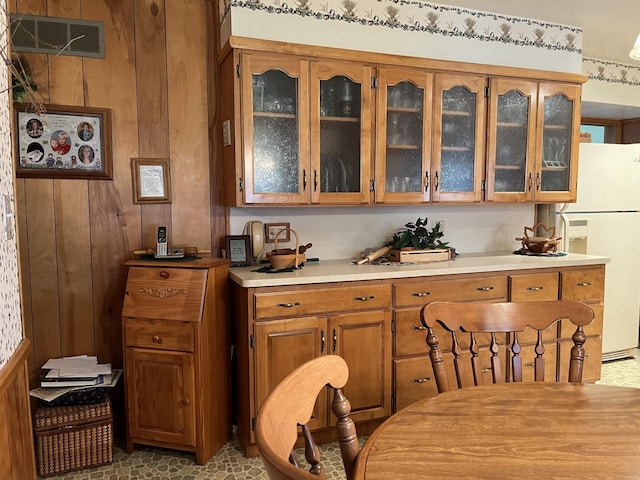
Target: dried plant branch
{"type": "Point", "coordinates": [19, 72]}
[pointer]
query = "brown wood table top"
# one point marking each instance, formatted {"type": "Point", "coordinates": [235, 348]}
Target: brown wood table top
{"type": "Point", "coordinates": [510, 431]}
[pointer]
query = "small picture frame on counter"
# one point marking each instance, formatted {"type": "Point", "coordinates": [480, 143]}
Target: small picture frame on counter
{"type": "Point", "coordinates": [272, 229]}
{"type": "Point", "coordinates": [238, 250]}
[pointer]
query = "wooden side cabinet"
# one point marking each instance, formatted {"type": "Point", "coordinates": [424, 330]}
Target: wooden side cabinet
{"type": "Point", "coordinates": [177, 349]}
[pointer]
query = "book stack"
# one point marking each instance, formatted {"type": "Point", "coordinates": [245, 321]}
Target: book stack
{"type": "Point", "coordinates": [78, 371]}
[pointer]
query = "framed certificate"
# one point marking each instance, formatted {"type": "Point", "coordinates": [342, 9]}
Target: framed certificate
{"type": "Point", "coordinates": [151, 180]}
{"type": "Point", "coordinates": [238, 250]}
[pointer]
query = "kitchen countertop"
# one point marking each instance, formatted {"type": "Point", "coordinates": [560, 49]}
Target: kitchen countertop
{"type": "Point", "coordinates": [345, 270]}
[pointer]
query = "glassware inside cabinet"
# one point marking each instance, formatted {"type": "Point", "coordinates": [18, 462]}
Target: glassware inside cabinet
{"type": "Point", "coordinates": [458, 140]}
{"type": "Point", "coordinates": [340, 133]}
{"type": "Point", "coordinates": [275, 133]}
{"type": "Point", "coordinates": [511, 142]}
{"type": "Point", "coordinates": [556, 143]}
{"type": "Point", "coordinates": [404, 138]}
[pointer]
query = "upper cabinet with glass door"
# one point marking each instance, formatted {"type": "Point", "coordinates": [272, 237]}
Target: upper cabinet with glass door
{"type": "Point", "coordinates": [403, 135]}
{"type": "Point", "coordinates": [459, 133]}
{"type": "Point", "coordinates": [275, 129]}
{"type": "Point", "coordinates": [557, 143]}
{"type": "Point", "coordinates": [341, 123]}
{"type": "Point", "coordinates": [511, 140]}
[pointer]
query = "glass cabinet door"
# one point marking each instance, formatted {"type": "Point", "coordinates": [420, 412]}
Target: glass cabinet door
{"type": "Point", "coordinates": [459, 122]}
{"type": "Point", "coordinates": [403, 136]}
{"type": "Point", "coordinates": [511, 140]}
{"type": "Point", "coordinates": [275, 130]}
{"type": "Point", "coordinates": [340, 132]}
{"type": "Point", "coordinates": [559, 123]}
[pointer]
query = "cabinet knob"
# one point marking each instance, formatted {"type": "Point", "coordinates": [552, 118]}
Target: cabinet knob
{"type": "Point", "coordinates": [364, 299]}
{"type": "Point", "coordinates": [186, 401]}
{"type": "Point", "coordinates": [420, 380]}
{"type": "Point", "coordinates": [164, 274]}
{"type": "Point", "coordinates": [288, 305]}
{"type": "Point", "coordinates": [156, 339]}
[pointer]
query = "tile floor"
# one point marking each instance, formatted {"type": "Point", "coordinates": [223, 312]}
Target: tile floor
{"type": "Point", "coordinates": [231, 464]}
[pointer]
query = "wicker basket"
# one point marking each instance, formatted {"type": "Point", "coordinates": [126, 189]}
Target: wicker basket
{"type": "Point", "coordinates": [73, 437]}
{"type": "Point", "coordinates": [281, 261]}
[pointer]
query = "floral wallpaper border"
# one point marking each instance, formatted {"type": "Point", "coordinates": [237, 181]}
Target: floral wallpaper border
{"type": "Point", "coordinates": [611, 72]}
{"type": "Point", "coordinates": [435, 19]}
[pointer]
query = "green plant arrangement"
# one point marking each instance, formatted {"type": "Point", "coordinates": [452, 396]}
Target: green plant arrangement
{"type": "Point", "coordinates": [417, 235]}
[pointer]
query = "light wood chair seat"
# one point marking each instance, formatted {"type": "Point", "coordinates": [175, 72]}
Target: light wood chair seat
{"type": "Point", "coordinates": [477, 326]}
{"type": "Point", "coordinates": [291, 404]}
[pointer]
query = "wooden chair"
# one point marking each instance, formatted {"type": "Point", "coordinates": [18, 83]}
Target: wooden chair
{"type": "Point", "coordinates": [291, 404]}
{"type": "Point", "coordinates": [495, 329]}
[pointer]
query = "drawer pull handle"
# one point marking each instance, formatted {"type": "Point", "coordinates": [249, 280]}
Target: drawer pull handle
{"type": "Point", "coordinates": [288, 305]}
{"type": "Point", "coordinates": [363, 299]}
{"type": "Point", "coordinates": [421, 294]}
{"type": "Point", "coordinates": [583, 284]}
{"type": "Point", "coordinates": [485, 370]}
{"type": "Point", "coordinates": [164, 274]}
{"type": "Point", "coordinates": [186, 401]}
{"type": "Point", "coordinates": [484, 289]}
{"type": "Point", "coordinates": [535, 289]}
{"type": "Point", "coordinates": [530, 364]}
{"type": "Point", "coordinates": [420, 380]}
{"type": "Point", "coordinates": [415, 327]}
{"type": "Point", "coordinates": [156, 339]}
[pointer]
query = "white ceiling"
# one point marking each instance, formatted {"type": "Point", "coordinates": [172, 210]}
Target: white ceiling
{"type": "Point", "coordinates": [609, 30]}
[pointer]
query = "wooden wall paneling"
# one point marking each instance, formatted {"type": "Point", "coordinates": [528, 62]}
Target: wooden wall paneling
{"type": "Point", "coordinates": [73, 236]}
{"type": "Point", "coordinates": [5, 439]}
{"type": "Point", "coordinates": [37, 66]}
{"type": "Point", "coordinates": [25, 273]}
{"type": "Point", "coordinates": [73, 241]}
{"type": "Point", "coordinates": [219, 226]}
{"type": "Point", "coordinates": [43, 268]}
{"type": "Point", "coordinates": [187, 81]}
{"type": "Point", "coordinates": [17, 457]}
{"type": "Point", "coordinates": [114, 220]}
{"type": "Point", "coordinates": [153, 117]}
{"type": "Point", "coordinates": [111, 83]}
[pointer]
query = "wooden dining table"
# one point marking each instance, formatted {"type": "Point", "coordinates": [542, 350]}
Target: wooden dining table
{"type": "Point", "coordinates": [510, 431]}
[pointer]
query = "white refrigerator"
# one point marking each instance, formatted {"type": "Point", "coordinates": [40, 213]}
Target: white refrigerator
{"type": "Point", "coordinates": [605, 220]}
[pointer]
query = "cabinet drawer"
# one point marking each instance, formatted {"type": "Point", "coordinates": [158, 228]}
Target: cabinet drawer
{"type": "Point", "coordinates": [165, 293]}
{"type": "Point", "coordinates": [583, 285]}
{"type": "Point", "coordinates": [322, 300]}
{"type": "Point", "coordinates": [534, 287]}
{"type": "Point", "coordinates": [420, 293]}
{"type": "Point", "coordinates": [413, 380]}
{"type": "Point", "coordinates": [159, 334]}
{"type": "Point", "coordinates": [411, 337]}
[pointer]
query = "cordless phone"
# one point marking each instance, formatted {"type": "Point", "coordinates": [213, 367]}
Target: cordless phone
{"type": "Point", "coordinates": [161, 248]}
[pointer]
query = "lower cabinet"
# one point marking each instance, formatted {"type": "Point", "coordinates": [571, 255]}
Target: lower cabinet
{"type": "Point", "coordinates": [172, 418]}
{"type": "Point", "coordinates": [375, 326]}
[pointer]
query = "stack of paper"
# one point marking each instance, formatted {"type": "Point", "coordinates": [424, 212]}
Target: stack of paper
{"type": "Point", "coordinates": [78, 371]}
